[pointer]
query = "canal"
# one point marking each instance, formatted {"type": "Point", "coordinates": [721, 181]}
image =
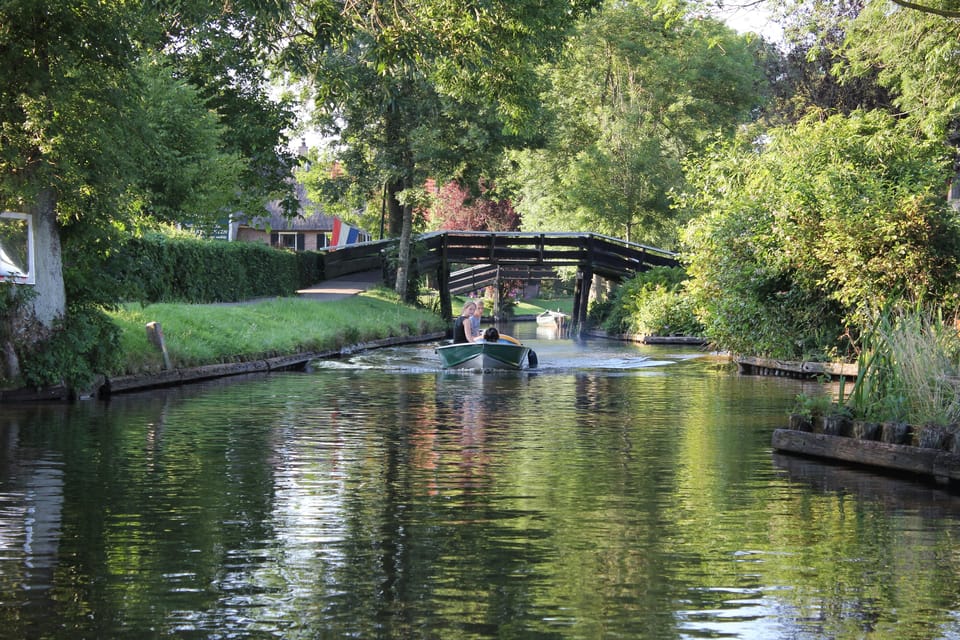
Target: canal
{"type": "Point", "coordinates": [618, 491]}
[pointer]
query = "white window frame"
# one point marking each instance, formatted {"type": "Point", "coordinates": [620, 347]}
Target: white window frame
{"type": "Point", "coordinates": [283, 235]}
{"type": "Point", "coordinates": [30, 277]}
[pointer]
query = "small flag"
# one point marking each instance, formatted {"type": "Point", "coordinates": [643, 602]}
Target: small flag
{"type": "Point", "coordinates": [343, 233]}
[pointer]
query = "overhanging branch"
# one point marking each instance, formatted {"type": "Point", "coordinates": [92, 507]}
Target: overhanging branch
{"type": "Point", "coordinates": [946, 13]}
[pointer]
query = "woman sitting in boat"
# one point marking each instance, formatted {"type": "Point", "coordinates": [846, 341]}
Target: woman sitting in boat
{"type": "Point", "coordinates": [463, 326]}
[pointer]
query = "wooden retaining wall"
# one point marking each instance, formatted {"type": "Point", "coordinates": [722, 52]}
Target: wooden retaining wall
{"type": "Point", "coordinates": [941, 465]}
{"type": "Point", "coordinates": [126, 384]}
{"type": "Point", "coordinates": [750, 365]}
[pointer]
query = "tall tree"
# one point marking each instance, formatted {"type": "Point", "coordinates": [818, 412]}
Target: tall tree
{"type": "Point", "coordinates": [425, 89]}
{"type": "Point", "coordinates": [98, 135]}
{"type": "Point", "coordinates": [914, 55]}
{"type": "Point", "coordinates": [809, 73]}
{"type": "Point", "coordinates": [635, 92]}
{"type": "Point", "coordinates": [61, 102]}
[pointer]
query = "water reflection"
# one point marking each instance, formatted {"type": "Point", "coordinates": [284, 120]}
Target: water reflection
{"type": "Point", "coordinates": [589, 499]}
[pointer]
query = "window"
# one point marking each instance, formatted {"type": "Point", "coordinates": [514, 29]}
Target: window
{"type": "Point", "coordinates": [16, 248]}
{"type": "Point", "coordinates": [288, 240]}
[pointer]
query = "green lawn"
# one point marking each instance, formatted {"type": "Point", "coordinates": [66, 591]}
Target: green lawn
{"type": "Point", "coordinates": [535, 306]}
{"type": "Point", "coordinates": [209, 334]}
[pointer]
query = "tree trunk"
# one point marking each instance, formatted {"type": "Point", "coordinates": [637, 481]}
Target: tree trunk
{"type": "Point", "coordinates": [33, 320]}
{"type": "Point", "coordinates": [403, 256]}
{"type": "Point", "coordinates": [395, 211]}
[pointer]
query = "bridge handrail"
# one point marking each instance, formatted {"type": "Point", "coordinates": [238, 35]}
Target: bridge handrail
{"type": "Point", "coordinates": [548, 234]}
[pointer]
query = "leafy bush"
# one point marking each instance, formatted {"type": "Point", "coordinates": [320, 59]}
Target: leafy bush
{"type": "Point", "coordinates": [795, 242]}
{"type": "Point", "coordinates": [653, 303]}
{"type": "Point", "coordinates": [83, 344]}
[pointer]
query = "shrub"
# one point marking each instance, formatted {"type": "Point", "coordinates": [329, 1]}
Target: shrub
{"type": "Point", "coordinates": [167, 268]}
{"type": "Point", "coordinates": [794, 241]}
{"type": "Point", "coordinates": [84, 343]}
{"type": "Point", "coordinates": [653, 303]}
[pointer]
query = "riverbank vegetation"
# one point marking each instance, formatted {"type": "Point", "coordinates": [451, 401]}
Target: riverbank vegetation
{"type": "Point", "coordinates": [653, 303]}
{"type": "Point", "coordinates": [205, 334]}
{"type": "Point", "coordinates": [802, 182]}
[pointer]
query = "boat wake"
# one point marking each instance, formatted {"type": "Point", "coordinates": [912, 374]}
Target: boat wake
{"type": "Point", "coordinates": [552, 357]}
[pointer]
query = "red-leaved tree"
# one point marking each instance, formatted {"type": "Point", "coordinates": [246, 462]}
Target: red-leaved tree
{"type": "Point", "coordinates": [455, 208]}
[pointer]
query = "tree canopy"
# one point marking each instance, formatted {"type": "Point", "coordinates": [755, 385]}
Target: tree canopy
{"type": "Point", "coordinates": [636, 91]}
{"type": "Point", "coordinates": [417, 90]}
{"type": "Point", "coordinates": [116, 114]}
{"type": "Point", "coordinates": [804, 237]}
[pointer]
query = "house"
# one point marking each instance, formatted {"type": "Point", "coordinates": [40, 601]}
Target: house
{"type": "Point", "coordinates": [310, 230]}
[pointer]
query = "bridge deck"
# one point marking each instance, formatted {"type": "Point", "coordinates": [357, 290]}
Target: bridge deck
{"type": "Point", "coordinates": [510, 254]}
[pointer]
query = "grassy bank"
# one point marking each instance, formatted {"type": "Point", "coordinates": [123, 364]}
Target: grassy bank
{"type": "Point", "coordinates": [198, 335]}
{"type": "Point", "coordinates": [527, 307]}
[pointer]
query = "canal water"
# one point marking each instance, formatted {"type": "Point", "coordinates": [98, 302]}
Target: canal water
{"type": "Point", "coordinates": [618, 491]}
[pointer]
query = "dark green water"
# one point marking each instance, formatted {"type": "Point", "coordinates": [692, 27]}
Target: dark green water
{"type": "Point", "coordinates": [618, 492]}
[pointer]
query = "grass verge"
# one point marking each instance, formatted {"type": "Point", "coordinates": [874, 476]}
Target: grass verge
{"type": "Point", "coordinates": [527, 307]}
{"type": "Point", "coordinates": [198, 335]}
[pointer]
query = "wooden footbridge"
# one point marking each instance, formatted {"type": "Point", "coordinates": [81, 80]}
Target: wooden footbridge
{"type": "Point", "coordinates": [462, 261]}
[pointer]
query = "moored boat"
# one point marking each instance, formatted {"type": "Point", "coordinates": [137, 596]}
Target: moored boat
{"type": "Point", "coordinates": [504, 354]}
{"type": "Point", "coordinates": [552, 319]}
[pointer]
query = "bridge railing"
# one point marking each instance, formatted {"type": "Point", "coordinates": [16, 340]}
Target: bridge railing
{"type": "Point", "coordinates": [608, 256]}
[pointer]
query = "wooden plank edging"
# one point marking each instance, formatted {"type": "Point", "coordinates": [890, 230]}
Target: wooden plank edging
{"type": "Point", "coordinates": [753, 364]}
{"type": "Point", "coordinates": [935, 463]}
{"type": "Point", "coordinates": [125, 384]}
{"type": "Point", "coordinates": [646, 339]}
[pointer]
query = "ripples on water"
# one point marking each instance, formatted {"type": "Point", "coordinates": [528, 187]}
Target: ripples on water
{"type": "Point", "coordinates": [616, 491]}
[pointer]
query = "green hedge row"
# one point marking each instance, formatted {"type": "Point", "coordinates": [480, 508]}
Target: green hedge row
{"type": "Point", "coordinates": [160, 268]}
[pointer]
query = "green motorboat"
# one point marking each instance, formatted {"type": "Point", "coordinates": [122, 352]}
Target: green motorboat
{"type": "Point", "coordinates": [505, 354]}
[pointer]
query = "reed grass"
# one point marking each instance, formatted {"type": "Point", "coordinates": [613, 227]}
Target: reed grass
{"type": "Point", "coordinates": [909, 370]}
{"type": "Point", "coordinates": [197, 335]}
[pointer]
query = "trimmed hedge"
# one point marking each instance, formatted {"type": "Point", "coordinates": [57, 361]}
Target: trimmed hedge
{"type": "Point", "coordinates": [159, 268]}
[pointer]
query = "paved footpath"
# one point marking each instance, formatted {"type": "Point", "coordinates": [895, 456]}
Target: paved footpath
{"type": "Point", "coordinates": [342, 287]}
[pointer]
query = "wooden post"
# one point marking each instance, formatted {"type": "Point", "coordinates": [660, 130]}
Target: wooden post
{"type": "Point", "coordinates": [581, 296]}
{"type": "Point", "coordinates": [497, 303]}
{"type": "Point", "coordinates": [577, 294]}
{"type": "Point", "coordinates": [155, 336]}
{"type": "Point", "coordinates": [443, 290]}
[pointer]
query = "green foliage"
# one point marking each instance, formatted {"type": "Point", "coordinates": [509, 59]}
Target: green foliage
{"type": "Point", "coordinates": [800, 238]}
{"type": "Point", "coordinates": [908, 369]}
{"type": "Point", "coordinates": [84, 344]}
{"type": "Point", "coordinates": [653, 302]}
{"type": "Point", "coordinates": [635, 92]}
{"type": "Point", "coordinates": [168, 268]}
{"type": "Point", "coordinates": [183, 173]}
{"type": "Point", "coordinates": [913, 55]}
{"type": "Point", "coordinates": [424, 89]}
{"type": "Point", "coordinates": [814, 406]}
{"type": "Point", "coordinates": [806, 71]}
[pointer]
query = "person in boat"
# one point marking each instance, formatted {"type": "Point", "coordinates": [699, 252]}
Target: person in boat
{"type": "Point", "coordinates": [491, 335]}
{"type": "Point", "coordinates": [463, 326]}
{"type": "Point", "coordinates": [477, 316]}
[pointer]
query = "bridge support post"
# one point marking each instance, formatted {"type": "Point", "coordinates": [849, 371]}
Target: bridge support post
{"type": "Point", "coordinates": [497, 302]}
{"type": "Point", "coordinates": [443, 282]}
{"type": "Point", "coordinates": [443, 290]}
{"type": "Point", "coordinates": [581, 296]}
